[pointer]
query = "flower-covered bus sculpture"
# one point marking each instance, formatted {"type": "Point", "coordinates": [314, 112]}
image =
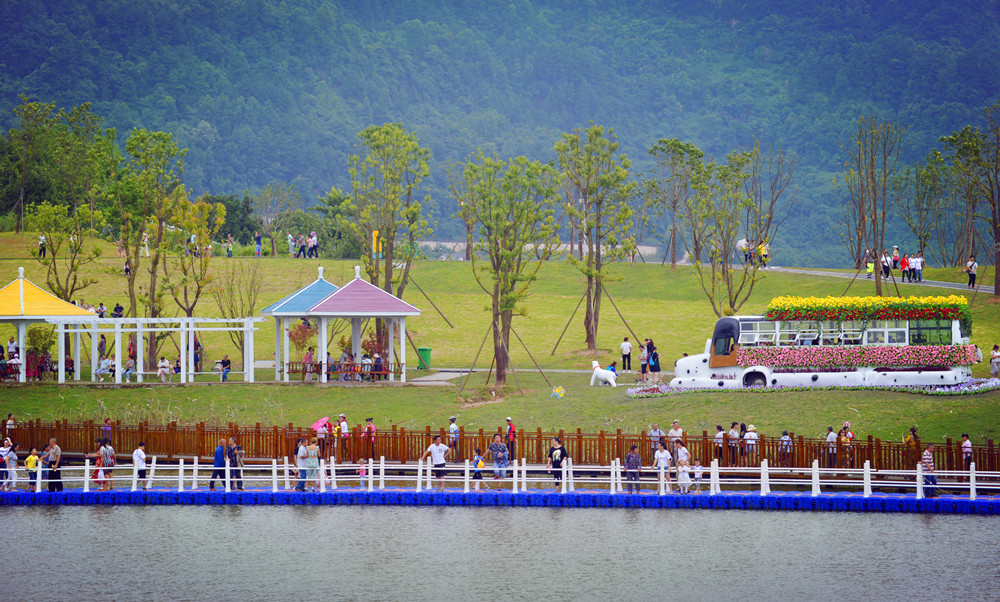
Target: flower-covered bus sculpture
{"type": "Point", "coordinates": [837, 341]}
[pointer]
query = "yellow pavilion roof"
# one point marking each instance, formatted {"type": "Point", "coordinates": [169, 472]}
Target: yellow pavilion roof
{"type": "Point", "coordinates": [23, 299]}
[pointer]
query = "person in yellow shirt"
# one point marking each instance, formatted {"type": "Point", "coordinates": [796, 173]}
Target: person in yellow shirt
{"type": "Point", "coordinates": [31, 463]}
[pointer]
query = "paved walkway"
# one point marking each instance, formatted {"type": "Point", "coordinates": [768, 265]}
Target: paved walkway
{"type": "Point", "coordinates": [862, 278]}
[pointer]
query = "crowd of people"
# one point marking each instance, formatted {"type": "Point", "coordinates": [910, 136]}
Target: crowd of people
{"type": "Point", "coordinates": [910, 266]}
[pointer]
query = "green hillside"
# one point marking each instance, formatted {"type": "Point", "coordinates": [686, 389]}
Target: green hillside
{"type": "Point", "coordinates": [274, 90]}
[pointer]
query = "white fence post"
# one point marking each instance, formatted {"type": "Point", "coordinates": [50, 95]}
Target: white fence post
{"type": "Point", "coordinates": [152, 471]}
{"type": "Point", "coordinates": [274, 475]}
{"type": "Point", "coordinates": [180, 475]}
{"type": "Point", "coordinates": [429, 474]}
{"type": "Point", "coordinates": [563, 476]}
{"type": "Point", "coordinates": [815, 478]}
{"type": "Point", "coordinates": [371, 474]}
{"type": "Point", "coordinates": [612, 489]}
{"type": "Point", "coordinates": [972, 481]}
{"type": "Point", "coordinates": [524, 475]}
{"type": "Point", "coordinates": [135, 475]}
{"type": "Point", "coordinates": [333, 472]}
{"type": "Point", "coordinates": [659, 479]}
{"type": "Point", "coordinates": [381, 472]}
{"type": "Point", "coordinates": [572, 482]}
{"type": "Point", "coordinates": [38, 479]}
{"type": "Point", "coordinates": [194, 474]}
{"type": "Point", "coordinates": [322, 475]}
{"type": "Point", "coordinates": [420, 473]}
{"type": "Point", "coordinates": [514, 486]}
{"type": "Point", "coordinates": [713, 478]}
{"type": "Point", "coordinates": [765, 478]}
{"type": "Point", "coordinates": [466, 479]}
{"type": "Point", "coordinates": [86, 475]}
{"type": "Point", "coordinates": [920, 482]}
{"type": "Point", "coordinates": [868, 479]}
{"type": "Point", "coordinates": [227, 476]}
{"type": "Point", "coordinates": [618, 475]}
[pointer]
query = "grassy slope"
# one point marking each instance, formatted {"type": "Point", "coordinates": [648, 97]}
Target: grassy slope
{"type": "Point", "coordinates": [665, 305]}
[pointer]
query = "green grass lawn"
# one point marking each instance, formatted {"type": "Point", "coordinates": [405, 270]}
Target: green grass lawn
{"type": "Point", "coordinates": [666, 305]}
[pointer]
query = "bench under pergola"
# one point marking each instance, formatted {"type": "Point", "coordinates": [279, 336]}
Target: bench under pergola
{"type": "Point", "coordinates": [357, 301]}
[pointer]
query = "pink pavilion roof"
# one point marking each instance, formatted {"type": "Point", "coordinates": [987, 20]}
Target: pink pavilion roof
{"type": "Point", "coordinates": [361, 298]}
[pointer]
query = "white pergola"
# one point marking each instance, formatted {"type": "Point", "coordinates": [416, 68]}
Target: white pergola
{"type": "Point", "coordinates": [356, 301]}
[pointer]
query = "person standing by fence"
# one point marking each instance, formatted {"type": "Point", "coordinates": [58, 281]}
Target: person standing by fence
{"type": "Point", "coordinates": [108, 461]}
{"type": "Point", "coordinates": [139, 461]}
{"type": "Point", "coordinates": [557, 453]}
{"type": "Point", "coordinates": [626, 355]}
{"type": "Point", "coordinates": [369, 435]}
{"type": "Point", "coordinates": [661, 460]}
{"type": "Point", "coordinates": [453, 436]}
{"type": "Point", "coordinates": [345, 437]}
{"type": "Point", "coordinates": [655, 435]}
{"type": "Point", "coordinates": [720, 437]}
{"type": "Point", "coordinates": [10, 460]}
{"type": "Point", "coordinates": [511, 438]}
{"type": "Point", "coordinates": [219, 466]}
{"type": "Point", "coordinates": [930, 479]}
{"type": "Point", "coordinates": [633, 463]}
{"type": "Point", "coordinates": [831, 447]}
{"type": "Point", "coordinates": [966, 452]}
{"type": "Point", "coordinates": [439, 456]}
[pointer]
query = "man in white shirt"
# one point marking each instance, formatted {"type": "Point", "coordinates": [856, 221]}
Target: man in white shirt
{"type": "Point", "coordinates": [439, 455]}
{"type": "Point", "coordinates": [734, 442]}
{"type": "Point", "coordinates": [139, 461]}
{"type": "Point", "coordinates": [626, 355]}
{"type": "Point", "coordinates": [720, 436]}
{"type": "Point", "coordinates": [453, 436]}
{"type": "Point", "coordinates": [674, 436]}
{"type": "Point", "coordinates": [971, 267]}
{"type": "Point", "coordinates": [831, 440]}
{"type": "Point", "coordinates": [886, 264]}
{"type": "Point", "coordinates": [750, 438]}
{"type": "Point", "coordinates": [11, 348]}
{"type": "Point", "coordinates": [345, 435]}
{"type": "Point", "coordinates": [301, 457]}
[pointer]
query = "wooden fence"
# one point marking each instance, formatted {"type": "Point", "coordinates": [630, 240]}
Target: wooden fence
{"type": "Point", "coordinates": [399, 444]}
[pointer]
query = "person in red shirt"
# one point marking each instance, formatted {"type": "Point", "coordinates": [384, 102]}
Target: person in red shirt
{"type": "Point", "coordinates": [511, 437]}
{"type": "Point", "coordinates": [904, 267]}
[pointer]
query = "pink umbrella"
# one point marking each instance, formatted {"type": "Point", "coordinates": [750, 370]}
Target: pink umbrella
{"type": "Point", "coordinates": [321, 423]}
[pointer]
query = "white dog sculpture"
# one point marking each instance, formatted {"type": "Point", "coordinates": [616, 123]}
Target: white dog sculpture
{"type": "Point", "coordinates": [601, 375]}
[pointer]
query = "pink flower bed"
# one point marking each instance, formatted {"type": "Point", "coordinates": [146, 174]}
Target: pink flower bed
{"type": "Point", "coordinates": [871, 355]}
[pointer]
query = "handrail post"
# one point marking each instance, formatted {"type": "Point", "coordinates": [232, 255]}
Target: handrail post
{"type": "Point", "coordinates": [868, 479]}
{"type": "Point", "coordinates": [322, 475]}
{"type": "Point", "coordinates": [765, 478]}
{"type": "Point", "coordinates": [194, 474]}
{"type": "Point", "coordinates": [815, 477]}
{"type": "Point", "coordinates": [514, 465]}
{"type": "Point", "coordinates": [135, 475]}
{"type": "Point", "coordinates": [287, 484]}
{"type": "Point", "coordinates": [659, 490]}
{"type": "Point", "coordinates": [420, 472]}
{"type": "Point", "coordinates": [371, 474]}
{"type": "Point", "coordinates": [86, 475]}
{"type": "Point", "coordinates": [611, 478]}
{"type": "Point", "coordinates": [274, 475]}
{"type": "Point", "coordinates": [180, 475]}
{"type": "Point", "coordinates": [713, 478]}
{"type": "Point", "coordinates": [333, 472]}
{"type": "Point", "coordinates": [563, 477]}
{"type": "Point", "coordinates": [466, 478]}
{"type": "Point", "coordinates": [972, 481]}
{"type": "Point", "coordinates": [618, 475]}
{"type": "Point", "coordinates": [920, 482]}
{"type": "Point", "coordinates": [572, 480]}
{"type": "Point", "coordinates": [381, 472]}
{"type": "Point", "coordinates": [227, 476]}
{"type": "Point", "coordinates": [38, 479]}
{"type": "Point", "coordinates": [152, 471]}
{"type": "Point", "coordinates": [524, 475]}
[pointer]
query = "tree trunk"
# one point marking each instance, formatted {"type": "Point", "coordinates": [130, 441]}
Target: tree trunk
{"type": "Point", "coordinates": [673, 239]}
{"type": "Point", "coordinates": [500, 350]}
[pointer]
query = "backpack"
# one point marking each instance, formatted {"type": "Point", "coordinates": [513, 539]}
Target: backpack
{"type": "Point", "coordinates": [479, 462]}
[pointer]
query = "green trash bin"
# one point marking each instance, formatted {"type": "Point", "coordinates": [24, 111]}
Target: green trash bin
{"type": "Point", "coordinates": [425, 358]}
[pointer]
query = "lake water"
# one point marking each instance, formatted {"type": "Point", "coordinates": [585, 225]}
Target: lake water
{"type": "Point", "coordinates": [424, 553]}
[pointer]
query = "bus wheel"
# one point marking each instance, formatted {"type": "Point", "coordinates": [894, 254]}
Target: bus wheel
{"type": "Point", "coordinates": [754, 379]}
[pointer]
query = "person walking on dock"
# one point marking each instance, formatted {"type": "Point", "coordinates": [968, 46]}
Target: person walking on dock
{"type": "Point", "coordinates": [557, 454]}
{"type": "Point", "coordinates": [500, 455]}
{"type": "Point", "coordinates": [139, 461]}
{"type": "Point", "coordinates": [218, 465]}
{"type": "Point", "coordinates": [633, 463]}
{"type": "Point", "coordinates": [439, 455]}
{"type": "Point", "coordinates": [930, 479]}
{"type": "Point", "coordinates": [235, 454]}
{"type": "Point", "coordinates": [661, 460]}
{"type": "Point", "coordinates": [54, 457]}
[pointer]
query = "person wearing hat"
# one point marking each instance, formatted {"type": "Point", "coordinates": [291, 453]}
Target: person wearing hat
{"type": "Point", "coordinates": [377, 367]}
{"type": "Point", "coordinates": [674, 435]}
{"type": "Point", "coordinates": [895, 257]}
{"type": "Point", "coordinates": [751, 444]}
{"type": "Point", "coordinates": [511, 437]}
{"type": "Point", "coordinates": [453, 436]}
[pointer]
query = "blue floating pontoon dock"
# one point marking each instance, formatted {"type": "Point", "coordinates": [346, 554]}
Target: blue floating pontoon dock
{"type": "Point", "coordinates": [730, 500]}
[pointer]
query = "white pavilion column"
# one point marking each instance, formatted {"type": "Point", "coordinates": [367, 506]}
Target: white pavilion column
{"type": "Point", "coordinates": [93, 349]}
{"type": "Point", "coordinates": [322, 347]}
{"type": "Point", "coordinates": [402, 347]}
{"type": "Point", "coordinates": [118, 351]}
{"type": "Point", "coordinates": [139, 348]}
{"type": "Point", "coordinates": [22, 354]}
{"type": "Point", "coordinates": [61, 351]}
{"type": "Point", "coordinates": [184, 347]}
{"type": "Point", "coordinates": [277, 349]}
{"type": "Point", "coordinates": [247, 351]}
{"type": "Point", "coordinates": [356, 337]}
{"type": "Point", "coordinates": [193, 334]}
{"type": "Point", "coordinates": [284, 342]}
{"type": "Point", "coordinates": [76, 352]}
{"type": "Point", "coordinates": [391, 358]}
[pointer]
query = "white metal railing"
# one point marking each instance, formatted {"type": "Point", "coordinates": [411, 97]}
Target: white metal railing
{"type": "Point", "coordinates": [372, 475]}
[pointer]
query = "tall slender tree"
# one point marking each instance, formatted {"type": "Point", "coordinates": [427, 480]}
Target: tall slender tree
{"type": "Point", "coordinates": [590, 161]}
{"type": "Point", "coordinates": [677, 164]}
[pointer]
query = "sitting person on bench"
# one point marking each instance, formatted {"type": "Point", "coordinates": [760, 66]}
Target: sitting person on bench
{"type": "Point", "coordinates": [163, 371]}
{"type": "Point", "coordinates": [103, 368]}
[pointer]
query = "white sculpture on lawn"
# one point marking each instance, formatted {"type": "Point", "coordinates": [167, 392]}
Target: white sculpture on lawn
{"type": "Point", "coordinates": [602, 376]}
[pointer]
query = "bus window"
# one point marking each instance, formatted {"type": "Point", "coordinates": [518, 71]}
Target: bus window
{"type": "Point", "coordinates": [724, 346]}
{"type": "Point", "coordinates": [930, 332]}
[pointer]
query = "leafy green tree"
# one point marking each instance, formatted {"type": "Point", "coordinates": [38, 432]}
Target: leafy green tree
{"type": "Point", "coordinates": [511, 206]}
{"type": "Point", "coordinates": [331, 208]}
{"type": "Point", "coordinates": [189, 275]}
{"type": "Point", "coordinates": [29, 144]}
{"type": "Point", "coordinates": [677, 164]}
{"type": "Point", "coordinates": [272, 206]}
{"type": "Point", "coordinates": [925, 196]}
{"type": "Point", "coordinates": [65, 231]}
{"type": "Point", "coordinates": [590, 161]}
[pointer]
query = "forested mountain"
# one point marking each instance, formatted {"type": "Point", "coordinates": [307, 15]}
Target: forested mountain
{"type": "Point", "coordinates": [273, 90]}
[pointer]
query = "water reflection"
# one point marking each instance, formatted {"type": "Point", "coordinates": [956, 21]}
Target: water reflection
{"type": "Point", "coordinates": [399, 553]}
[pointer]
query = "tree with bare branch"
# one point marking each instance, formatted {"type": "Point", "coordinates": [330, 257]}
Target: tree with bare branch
{"type": "Point", "coordinates": [236, 290]}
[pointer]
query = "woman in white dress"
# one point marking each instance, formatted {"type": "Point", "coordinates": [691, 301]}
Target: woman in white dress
{"type": "Point", "coordinates": [661, 461]}
{"type": "Point", "coordinates": [684, 476]}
